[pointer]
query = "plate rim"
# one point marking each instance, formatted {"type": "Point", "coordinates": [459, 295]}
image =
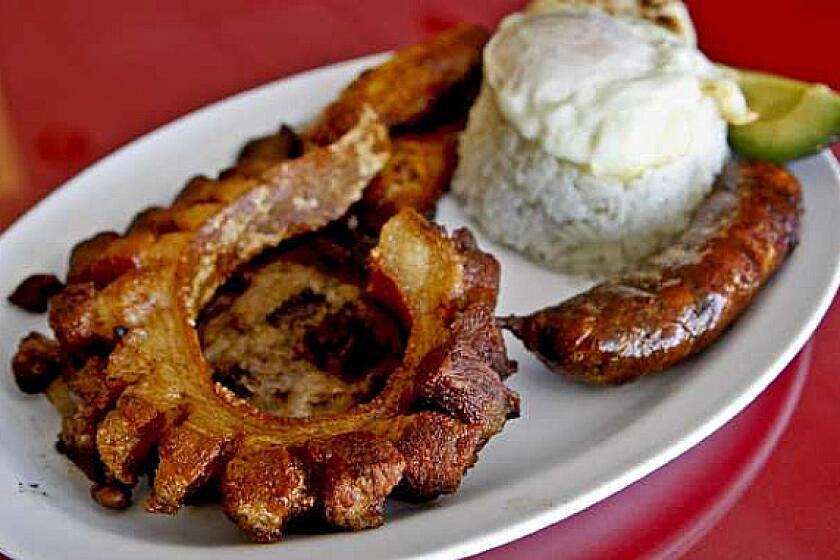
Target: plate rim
{"type": "Point", "coordinates": [526, 523]}
{"type": "Point", "coordinates": [689, 441]}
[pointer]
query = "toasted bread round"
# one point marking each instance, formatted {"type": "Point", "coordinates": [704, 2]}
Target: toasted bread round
{"type": "Point", "coordinates": [669, 14]}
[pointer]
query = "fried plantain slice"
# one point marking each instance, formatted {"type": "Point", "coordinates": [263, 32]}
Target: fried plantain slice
{"type": "Point", "coordinates": [408, 87]}
{"type": "Point", "coordinates": [423, 93]}
{"type": "Point", "coordinates": [416, 176]}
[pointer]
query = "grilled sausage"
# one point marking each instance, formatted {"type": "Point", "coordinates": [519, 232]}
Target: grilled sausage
{"type": "Point", "coordinates": [681, 299]}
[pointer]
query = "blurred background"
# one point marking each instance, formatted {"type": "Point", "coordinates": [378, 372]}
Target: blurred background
{"type": "Point", "coordinates": [79, 79]}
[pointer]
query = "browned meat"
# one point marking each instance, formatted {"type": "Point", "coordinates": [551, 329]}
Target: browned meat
{"type": "Point", "coordinates": [683, 298]}
{"type": "Point", "coordinates": [107, 255]}
{"type": "Point", "coordinates": [416, 176]}
{"type": "Point", "coordinates": [299, 338]}
{"type": "Point", "coordinates": [354, 310]}
{"type": "Point", "coordinates": [131, 412]}
{"type": "Point", "coordinates": [408, 87]}
{"type": "Point", "coordinates": [34, 293]}
{"type": "Point", "coordinates": [85, 257]}
{"type": "Point", "coordinates": [437, 450]}
{"type": "Point", "coordinates": [258, 155]}
{"type": "Point", "coordinates": [111, 497]}
{"type": "Point", "coordinates": [465, 364]}
{"type": "Point", "coordinates": [37, 362]}
{"type": "Point", "coordinates": [263, 488]}
{"type": "Point", "coordinates": [353, 474]}
{"type": "Point", "coordinates": [423, 93]}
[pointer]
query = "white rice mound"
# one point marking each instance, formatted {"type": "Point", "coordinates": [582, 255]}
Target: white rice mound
{"type": "Point", "coordinates": [559, 215]}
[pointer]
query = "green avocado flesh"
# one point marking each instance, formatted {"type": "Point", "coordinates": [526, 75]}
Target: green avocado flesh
{"type": "Point", "coordinates": [796, 119]}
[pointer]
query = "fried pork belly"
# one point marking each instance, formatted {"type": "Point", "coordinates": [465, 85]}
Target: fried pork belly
{"type": "Point", "coordinates": [347, 364]}
{"type": "Point", "coordinates": [296, 335]}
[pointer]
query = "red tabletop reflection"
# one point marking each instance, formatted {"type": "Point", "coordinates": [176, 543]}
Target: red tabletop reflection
{"type": "Point", "coordinates": [79, 79]}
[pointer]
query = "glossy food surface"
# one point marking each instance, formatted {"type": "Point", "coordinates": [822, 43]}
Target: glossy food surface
{"type": "Point", "coordinates": [766, 484]}
{"type": "Point", "coordinates": [683, 298]}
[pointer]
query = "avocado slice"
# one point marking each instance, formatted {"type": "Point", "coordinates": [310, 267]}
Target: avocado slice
{"type": "Point", "coordinates": [796, 119]}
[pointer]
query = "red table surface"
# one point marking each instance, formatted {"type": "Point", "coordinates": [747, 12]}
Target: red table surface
{"type": "Point", "coordinates": [79, 79]}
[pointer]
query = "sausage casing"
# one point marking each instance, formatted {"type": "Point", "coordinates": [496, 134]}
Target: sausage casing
{"type": "Point", "coordinates": [682, 298]}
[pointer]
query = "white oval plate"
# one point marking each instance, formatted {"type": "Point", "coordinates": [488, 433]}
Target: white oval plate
{"type": "Point", "coordinates": [572, 446]}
